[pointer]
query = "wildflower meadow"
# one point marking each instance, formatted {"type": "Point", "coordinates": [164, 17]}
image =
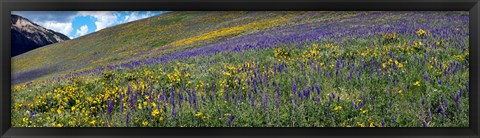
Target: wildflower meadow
{"type": "Point", "coordinates": [253, 69]}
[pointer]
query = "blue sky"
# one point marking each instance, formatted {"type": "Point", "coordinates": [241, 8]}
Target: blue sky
{"type": "Point", "coordinates": [78, 23]}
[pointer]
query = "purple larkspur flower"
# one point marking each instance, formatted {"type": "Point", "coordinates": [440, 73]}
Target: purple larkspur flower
{"type": "Point", "coordinates": [33, 114]}
{"type": "Point", "coordinates": [294, 87]}
{"type": "Point", "coordinates": [300, 95]}
{"type": "Point", "coordinates": [383, 122]}
{"type": "Point", "coordinates": [423, 101]}
{"type": "Point", "coordinates": [318, 89]}
{"type": "Point", "coordinates": [445, 102]}
{"type": "Point", "coordinates": [129, 89]}
{"type": "Point", "coordinates": [174, 113]}
{"type": "Point", "coordinates": [194, 99]}
{"type": "Point", "coordinates": [110, 107]}
{"type": "Point", "coordinates": [150, 113]}
{"type": "Point", "coordinates": [180, 100]}
{"type": "Point", "coordinates": [219, 113]}
{"type": "Point", "coordinates": [461, 92]}
{"type": "Point", "coordinates": [459, 106]}
{"type": "Point", "coordinates": [457, 98]}
{"type": "Point", "coordinates": [172, 97]}
{"type": "Point", "coordinates": [394, 120]}
{"type": "Point", "coordinates": [255, 87]}
{"type": "Point", "coordinates": [350, 76]}
{"type": "Point", "coordinates": [425, 76]}
{"type": "Point", "coordinates": [127, 119]}
{"type": "Point", "coordinates": [132, 102]}
{"type": "Point", "coordinates": [307, 93]}
{"type": "Point", "coordinates": [213, 88]}
{"type": "Point", "coordinates": [440, 109]}
{"type": "Point", "coordinates": [121, 102]}
{"type": "Point", "coordinates": [226, 96]}
{"type": "Point", "coordinates": [230, 120]}
{"type": "Point", "coordinates": [353, 105]}
{"type": "Point", "coordinates": [265, 101]}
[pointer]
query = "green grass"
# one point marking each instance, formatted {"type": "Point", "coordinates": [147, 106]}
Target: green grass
{"type": "Point", "coordinates": [135, 94]}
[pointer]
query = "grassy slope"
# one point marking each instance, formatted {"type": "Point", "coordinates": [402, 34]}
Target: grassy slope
{"type": "Point", "coordinates": [164, 33]}
{"type": "Point", "coordinates": [370, 89]}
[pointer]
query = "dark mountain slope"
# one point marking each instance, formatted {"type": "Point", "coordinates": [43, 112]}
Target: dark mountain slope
{"type": "Point", "coordinates": [27, 35]}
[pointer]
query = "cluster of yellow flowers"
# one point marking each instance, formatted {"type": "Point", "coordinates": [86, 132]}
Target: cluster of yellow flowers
{"type": "Point", "coordinates": [421, 32]}
{"type": "Point", "coordinates": [313, 53]}
{"type": "Point", "coordinates": [390, 37]}
{"type": "Point", "coordinates": [282, 54]}
{"type": "Point", "coordinates": [179, 73]}
{"type": "Point", "coordinates": [417, 44]}
{"type": "Point", "coordinates": [229, 30]}
{"type": "Point", "coordinates": [391, 62]}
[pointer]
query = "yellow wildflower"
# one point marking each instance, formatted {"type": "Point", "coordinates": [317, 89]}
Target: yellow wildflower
{"type": "Point", "coordinates": [360, 124]}
{"type": "Point", "coordinates": [145, 123]}
{"type": "Point", "coordinates": [421, 32]}
{"type": "Point", "coordinates": [338, 108]}
{"type": "Point", "coordinates": [400, 65]}
{"type": "Point", "coordinates": [93, 122]}
{"type": "Point", "coordinates": [417, 83]}
{"type": "Point", "coordinates": [155, 112]}
{"type": "Point", "coordinates": [198, 114]}
{"type": "Point", "coordinates": [363, 110]}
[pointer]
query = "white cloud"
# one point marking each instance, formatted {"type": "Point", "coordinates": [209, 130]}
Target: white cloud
{"type": "Point", "coordinates": [62, 21]}
{"type": "Point", "coordinates": [82, 31]}
{"type": "Point", "coordinates": [62, 27]}
{"type": "Point", "coordinates": [38, 16]}
{"type": "Point", "coordinates": [104, 19]}
{"type": "Point", "coordinates": [136, 16]}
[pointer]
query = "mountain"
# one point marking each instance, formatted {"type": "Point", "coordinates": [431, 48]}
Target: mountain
{"type": "Point", "coordinates": [27, 35]}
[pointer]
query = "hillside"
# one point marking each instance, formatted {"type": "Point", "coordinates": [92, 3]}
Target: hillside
{"type": "Point", "coordinates": [27, 35]}
{"type": "Point", "coordinates": [253, 69]}
{"type": "Point", "coordinates": [164, 33]}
